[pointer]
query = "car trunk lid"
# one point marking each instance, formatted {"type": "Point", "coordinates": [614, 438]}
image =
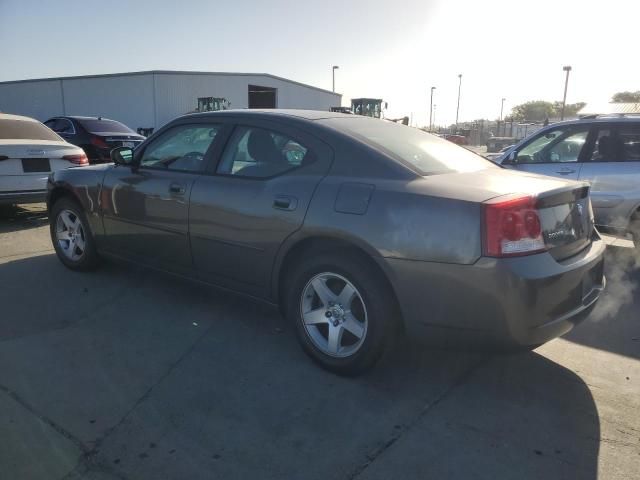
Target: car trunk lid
{"type": "Point", "coordinates": [563, 206]}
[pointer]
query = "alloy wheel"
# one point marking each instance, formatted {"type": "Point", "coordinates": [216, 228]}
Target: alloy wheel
{"type": "Point", "coordinates": [333, 314]}
{"type": "Point", "coordinates": [70, 235]}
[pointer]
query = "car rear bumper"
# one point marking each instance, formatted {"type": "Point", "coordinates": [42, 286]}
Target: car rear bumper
{"type": "Point", "coordinates": [520, 301]}
{"type": "Point", "coordinates": [28, 196]}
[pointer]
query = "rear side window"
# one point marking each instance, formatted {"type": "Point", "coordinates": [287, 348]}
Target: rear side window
{"type": "Point", "coordinates": [259, 153]}
{"type": "Point", "coordinates": [629, 143]}
{"type": "Point", "coordinates": [25, 130]}
{"type": "Point", "coordinates": [105, 126]}
{"type": "Point", "coordinates": [428, 154]}
{"type": "Point", "coordinates": [60, 125]}
{"type": "Point", "coordinates": [619, 143]}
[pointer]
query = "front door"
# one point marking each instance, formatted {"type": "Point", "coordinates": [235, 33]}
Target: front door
{"type": "Point", "coordinates": [257, 196]}
{"type": "Point", "coordinates": [613, 170]}
{"type": "Point", "coordinates": [146, 208]}
{"type": "Point", "coordinates": [555, 152]}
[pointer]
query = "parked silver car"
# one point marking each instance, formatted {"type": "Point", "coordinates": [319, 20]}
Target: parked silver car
{"type": "Point", "coordinates": [603, 151]}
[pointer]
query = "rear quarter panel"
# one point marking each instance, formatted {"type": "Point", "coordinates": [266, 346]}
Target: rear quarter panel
{"type": "Point", "coordinates": [399, 223]}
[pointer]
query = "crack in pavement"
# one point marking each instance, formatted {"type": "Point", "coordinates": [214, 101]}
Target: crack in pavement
{"type": "Point", "coordinates": [373, 456]}
{"type": "Point", "coordinates": [88, 461]}
{"type": "Point", "coordinates": [40, 416]}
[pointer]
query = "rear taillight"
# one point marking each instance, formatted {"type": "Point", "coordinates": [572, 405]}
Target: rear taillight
{"type": "Point", "coordinates": [99, 142]}
{"type": "Point", "coordinates": [79, 159]}
{"type": "Point", "coordinates": [512, 227]}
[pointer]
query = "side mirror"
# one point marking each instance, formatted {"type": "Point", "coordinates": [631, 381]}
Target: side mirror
{"type": "Point", "coordinates": [122, 156]}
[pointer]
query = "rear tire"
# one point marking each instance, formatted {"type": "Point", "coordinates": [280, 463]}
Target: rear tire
{"type": "Point", "coordinates": [71, 236]}
{"type": "Point", "coordinates": [343, 311]}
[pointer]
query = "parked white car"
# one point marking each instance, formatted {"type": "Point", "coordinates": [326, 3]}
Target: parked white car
{"type": "Point", "coordinates": [29, 151]}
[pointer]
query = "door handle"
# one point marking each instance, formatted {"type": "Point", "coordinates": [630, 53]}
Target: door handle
{"type": "Point", "coordinates": [284, 202]}
{"type": "Point", "coordinates": [565, 171]}
{"type": "Point", "coordinates": [176, 188]}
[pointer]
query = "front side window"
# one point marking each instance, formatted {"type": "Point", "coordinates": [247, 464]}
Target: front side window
{"type": "Point", "coordinates": [560, 145]}
{"type": "Point", "coordinates": [256, 152]}
{"type": "Point", "coordinates": [180, 148]}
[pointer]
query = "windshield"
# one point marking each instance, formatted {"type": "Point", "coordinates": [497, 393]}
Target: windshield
{"type": "Point", "coordinates": [26, 130]}
{"type": "Point", "coordinates": [426, 153]}
{"type": "Point", "coordinates": [111, 126]}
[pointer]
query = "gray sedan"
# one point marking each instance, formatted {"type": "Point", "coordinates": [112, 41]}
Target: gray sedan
{"type": "Point", "coordinates": [357, 228]}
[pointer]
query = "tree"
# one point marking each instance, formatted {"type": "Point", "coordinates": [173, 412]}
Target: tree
{"type": "Point", "coordinates": [626, 97]}
{"type": "Point", "coordinates": [540, 110]}
{"type": "Point", "coordinates": [570, 109]}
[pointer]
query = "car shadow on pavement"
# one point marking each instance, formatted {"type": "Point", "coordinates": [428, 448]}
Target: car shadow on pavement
{"type": "Point", "coordinates": [22, 217]}
{"type": "Point", "coordinates": [160, 378]}
{"type": "Point", "coordinates": [614, 325]}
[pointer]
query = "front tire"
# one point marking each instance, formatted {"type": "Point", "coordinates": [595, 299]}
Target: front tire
{"type": "Point", "coordinates": [71, 236]}
{"type": "Point", "coordinates": [343, 311]}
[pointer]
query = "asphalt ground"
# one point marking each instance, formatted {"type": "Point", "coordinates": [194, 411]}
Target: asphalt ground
{"type": "Point", "coordinates": [125, 373]}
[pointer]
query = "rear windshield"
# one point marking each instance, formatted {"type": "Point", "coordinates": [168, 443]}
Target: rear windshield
{"type": "Point", "coordinates": [426, 153]}
{"type": "Point", "coordinates": [25, 130]}
{"type": "Point", "coordinates": [107, 126]}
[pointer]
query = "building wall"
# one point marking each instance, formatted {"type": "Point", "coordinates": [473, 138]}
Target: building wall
{"type": "Point", "coordinates": [128, 99]}
{"type": "Point", "coordinates": [149, 99]}
{"type": "Point", "coordinates": [34, 99]}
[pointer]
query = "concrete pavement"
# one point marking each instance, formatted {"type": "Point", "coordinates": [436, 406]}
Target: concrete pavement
{"type": "Point", "coordinates": [125, 373]}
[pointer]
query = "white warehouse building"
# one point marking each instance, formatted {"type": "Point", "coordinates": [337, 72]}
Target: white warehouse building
{"type": "Point", "coordinates": [151, 99]}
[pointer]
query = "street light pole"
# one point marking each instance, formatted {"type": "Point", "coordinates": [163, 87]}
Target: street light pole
{"type": "Point", "coordinates": [434, 114]}
{"type": "Point", "coordinates": [431, 109]}
{"type": "Point", "coordinates": [333, 76]}
{"type": "Point", "coordinates": [566, 68]}
{"type": "Point", "coordinates": [458, 107]}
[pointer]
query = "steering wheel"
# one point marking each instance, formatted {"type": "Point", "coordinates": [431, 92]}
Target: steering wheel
{"type": "Point", "coordinates": [197, 155]}
{"type": "Point", "coordinates": [191, 155]}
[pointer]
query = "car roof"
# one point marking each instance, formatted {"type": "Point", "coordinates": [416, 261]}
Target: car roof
{"type": "Point", "coordinates": [80, 117]}
{"type": "Point", "coordinates": [8, 116]}
{"type": "Point", "coordinates": [599, 119]}
{"type": "Point", "coordinates": [274, 112]}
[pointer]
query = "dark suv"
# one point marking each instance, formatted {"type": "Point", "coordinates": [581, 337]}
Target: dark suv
{"type": "Point", "coordinates": [95, 135]}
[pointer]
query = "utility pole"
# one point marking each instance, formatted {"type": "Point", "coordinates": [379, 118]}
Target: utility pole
{"type": "Point", "coordinates": [566, 68]}
{"type": "Point", "coordinates": [333, 76]}
{"type": "Point", "coordinates": [458, 107]}
{"type": "Point", "coordinates": [431, 109]}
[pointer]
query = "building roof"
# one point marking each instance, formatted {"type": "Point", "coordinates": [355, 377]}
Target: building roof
{"type": "Point", "coordinates": [170, 72]}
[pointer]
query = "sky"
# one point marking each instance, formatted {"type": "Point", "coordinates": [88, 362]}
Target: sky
{"type": "Point", "coordinates": [390, 49]}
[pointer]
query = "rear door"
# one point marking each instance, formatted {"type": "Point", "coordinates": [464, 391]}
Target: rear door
{"type": "Point", "coordinates": [146, 209]}
{"type": "Point", "coordinates": [256, 197]}
{"type": "Point", "coordinates": [612, 167]}
{"type": "Point", "coordinates": [556, 152]}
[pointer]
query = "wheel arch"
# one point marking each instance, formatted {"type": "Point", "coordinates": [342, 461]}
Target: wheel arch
{"type": "Point", "coordinates": [58, 192]}
{"type": "Point", "coordinates": [322, 242]}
